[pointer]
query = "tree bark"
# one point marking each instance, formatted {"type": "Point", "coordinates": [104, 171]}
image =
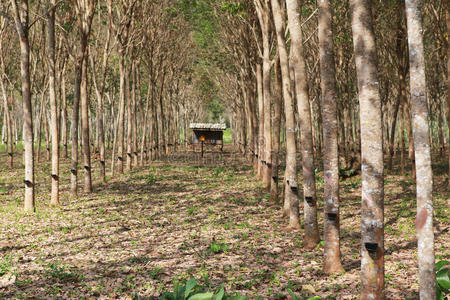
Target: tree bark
{"type": "Point", "coordinates": [332, 253]}
{"type": "Point", "coordinates": [276, 133]}
{"type": "Point", "coordinates": [64, 127]}
{"type": "Point", "coordinates": [75, 120]}
{"type": "Point", "coordinates": [128, 165]}
{"type": "Point", "coordinates": [136, 98]}
{"type": "Point", "coordinates": [260, 153]}
{"type": "Point", "coordinates": [85, 127]}
{"type": "Point", "coordinates": [447, 13]}
{"type": "Point", "coordinates": [121, 124]}
{"type": "Point", "coordinates": [291, 191]}
{"type": "Point", "coordinates": [421, 134]}
{"type": "Point", "coordinates": [372, 210]}
{"type": "Point", "coordinates": [21, 20]}
{"type": "Point", "coordinates": [7, 122]}
{"type": "Point", "coordinates": [304, 112]}
{"type": "Point", "coordinates": [263, 13]}
{"type": "Point", "coordinates": [53, 106]}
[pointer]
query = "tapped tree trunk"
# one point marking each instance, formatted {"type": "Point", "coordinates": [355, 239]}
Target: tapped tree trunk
{"type": "Point", "coordinates": [304, 112]}
{"type": "Point", "coordinates": [128, 165]}
{"type": "Point", "coordinates": [145, 122]}
{"type": "Point", "coordinates": [421, 134]}
{"type": "Point", "coordinates": [276, 133]}
{"type": "Point", "coordinates": [332, 253]}
{"type": "Point", "coordinates": [75, 120]}
{"type": "Point", "coordinates": [136, 98]}
{"type": "Point", "coordinates": [291, 192]}
{"type": "Point", "coordinates": [85, 127]}
{"type": "Point", "coordinates": [64, 127]}
{"type": "Point", "coordinates": [7, 119]}
{"type": "Point", "coordinates": [263, 12]}
{"type": "Point", "coordinates": [447, 14]}
{"type": "Point", "coordinates": [53, 106]}
{"type": "Point", "coordinates": [7, 123]}
{"type": "Point", "coordinates": [100, 91]}
{"type": "Point", "coordinates": [20, 9]}
{"type": "Point", "coordinates": [372, 206]}
{"type": "Point", "coordinates": [121, 124]}
{"type": "Point", "coordinates": [260, 139]}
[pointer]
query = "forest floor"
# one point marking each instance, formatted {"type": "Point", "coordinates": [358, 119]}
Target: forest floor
{"type": "Point", "coordinates": [141, 232]}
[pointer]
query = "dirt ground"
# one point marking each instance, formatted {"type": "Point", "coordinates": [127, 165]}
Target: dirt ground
{"type": "Point", "coordinates": [141, 232]}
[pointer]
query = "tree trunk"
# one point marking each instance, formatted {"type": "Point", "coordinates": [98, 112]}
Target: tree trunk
{"type": "Point", "coordinates": [129, 118]}
{"type": "Point", "coordinates": [75, 122]}
{"type": "Point", "coordinates": [332, 253]}
{"type": "Point", "coordinates": [421, 133]}
{"type": "Point", "coordinates": [136, 98]}
{"type": "Point", "coordinates": [260, 153]}
{"type": "Point", "coordinates": [291, 191]}
{"type": "Point", "coordinates": [276, 133]}
{"type": "Point", "coordinates": [121, 124]}
{"type": "Point", "coordinates": [64, 127]}
{"type": "Point", "coordinates": [145, 122]}
{"type": "Point", "coordinates": [304, 111]}
{"type": "Point", "coordinates": [372, 210]}
{"type": "Point", "coordinates": [7, 123]}
{"type": "Point", "coordinates": [21, 20]}
{"type": "Point", "coordinates": [161, 127]}
{"type": "Point", "coordinates": [448, 86]}
{"type": "Point", "coordinates": [53, 106]}
{"type": "Point", "coordinates": [263, 12]}
{"type": "Point", "coordinates": [85, 126]}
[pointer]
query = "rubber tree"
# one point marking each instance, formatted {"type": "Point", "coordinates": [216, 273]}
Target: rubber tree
{"type": "Point", "coordinates": [422, 151]}
{"type": "Point", "coordinates": [276, 132]}
{"type": "Point", "coordinates": [263, 12]}
{"type": "Point", "coordinates": [332, 253]}
{"type": "Point", "coordinates": [372, 206]}
{"type": "Point", "coordinates": [260, 140]}
{"type": "Point", "coordinates": [85, 10]}
{"type": "Point", "coordinates": [124, 11]}
{"type": "Point", "coordinates": [447, 14]}
{"type": "Point", "coordinates": [20, 11]}
{"type": "Point", "coordinates": [51, 43]}
{"type": "Point", "coordinates": [3, 84]}
{"type": "Point", "coordinates": [304, 113]}
{"type": "Point", "coordinates": [100, 93]}
{"type": "Point", "coordinates": [291, 190]}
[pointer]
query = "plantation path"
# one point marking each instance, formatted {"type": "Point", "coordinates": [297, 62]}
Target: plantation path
{"type": "Point", "coordinates": [140, 232]}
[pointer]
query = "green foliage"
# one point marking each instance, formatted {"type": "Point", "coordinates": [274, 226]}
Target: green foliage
{"type": "Point", "coordinates": [218, 247]}
{"type": "Point", "coordinates": [227, 136]}
{"type": "Point", "coordinates": [295, 297]}
{"type": "Point", "coordinates": [5, 265]}
{"type": "Point", "coordinates": [442, 279]}
{"type": "Point", "coordinates": [61, 273]}
{"type": "Point", "coordinates": [191, 290]}
{"type": "Point", "coordinates": [234, 8]}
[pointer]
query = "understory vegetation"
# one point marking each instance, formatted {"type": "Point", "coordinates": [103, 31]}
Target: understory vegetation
{"type": "Point", "coordinates": [147, 233]}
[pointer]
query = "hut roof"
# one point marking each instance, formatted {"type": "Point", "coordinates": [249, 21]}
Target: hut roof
{"type": "Point", "coordinates": [208, 126]}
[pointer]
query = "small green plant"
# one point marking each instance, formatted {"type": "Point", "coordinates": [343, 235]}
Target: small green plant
{"type": "Point", "coordinates": [5, 265]}
{"type": "Point", "coordinates": [442, 279]}
{"type": "Point", "coordinates": [58, 272]}
{"type": "Point", "coordinates": [139, 260]}
{"type": "Point", "coordinates": [218, 247]}
{"type": "Point", "coordinates": [191, 210]}
{"type": "Point", "coordinates": [150, 179]}
{"type": "Point", "coordinates": [295, 297]}
{"type": "Point", "coordinates": [191, 290]}
{"type": "Point", "coordinates": [155, 273]}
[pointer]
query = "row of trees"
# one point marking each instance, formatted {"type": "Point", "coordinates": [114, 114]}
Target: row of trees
{"type": "Point", "coordinates": [94, 75]}
{"type": "Point", "coordinates": [334, 75]}
{"type": "Point", "coordinates": [323, 79]}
